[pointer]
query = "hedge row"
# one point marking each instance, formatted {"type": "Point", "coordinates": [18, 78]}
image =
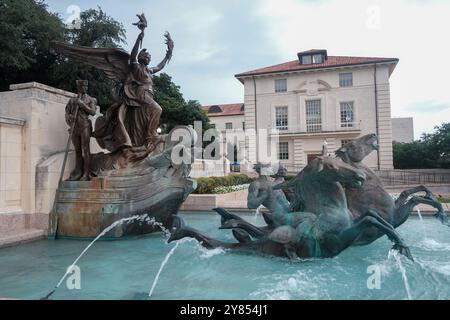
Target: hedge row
{"type": "Point", "coordinates": [207, 185]}
{"type": "Point", "coordinates": [286, 178]}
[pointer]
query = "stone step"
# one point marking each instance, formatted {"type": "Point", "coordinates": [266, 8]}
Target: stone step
{"type": "Point", "coordinates": [429, 210]}
{"type": "Point", "coordinates": [12, 238]}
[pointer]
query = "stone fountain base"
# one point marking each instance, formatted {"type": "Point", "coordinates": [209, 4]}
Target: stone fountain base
{"type": "Point", "coordinates": [155, 187]}
{"type": "Point", "coordinates": [86, 208]}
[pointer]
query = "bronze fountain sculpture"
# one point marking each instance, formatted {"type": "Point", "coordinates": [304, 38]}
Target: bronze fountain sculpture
{"type": "Point", "coordinates": [129, 128]}
{"type": "Point", "coordinates": [78, 110]}
{"type": "Point", "coordinates": [135, 175]}
{"type": "Point", "coordinates": [334, 202]}
{"type": "Point", "coordinates": [338, 210]}
{"type": "Point", "coordinates": [373, 196]}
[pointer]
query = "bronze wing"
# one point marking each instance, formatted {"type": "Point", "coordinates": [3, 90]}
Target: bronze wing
{"type": "Point", "coordinates": [114, 62]}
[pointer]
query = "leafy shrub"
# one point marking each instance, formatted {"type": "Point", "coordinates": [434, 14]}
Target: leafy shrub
{"type": "Point", "coordinates": [222, 190]}
{"type": "Point", "coordinates": [207, 185]}
{"type": "Point", "coordinates": [286, 178]}
{"type": "Point", "coordinates": [443, 200]}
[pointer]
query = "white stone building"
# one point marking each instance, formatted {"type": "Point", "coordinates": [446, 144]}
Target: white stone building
{"type": "Point", "coordinates": [226, 116]}
{"type": "Point", "coordinates": [316, 98]}
{"type": "Point", "coordinates": [403, 130]}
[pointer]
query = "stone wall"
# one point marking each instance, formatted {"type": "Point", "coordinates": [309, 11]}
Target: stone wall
{"type": "Point", "coordinates": [207, 202]}
{"type": "Point", "coordinates": [33, 137]}
{"type": "Point", "coordinates": [209, 168]}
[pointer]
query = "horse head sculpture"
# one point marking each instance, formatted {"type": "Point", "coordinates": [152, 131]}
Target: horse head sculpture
{"type": "Point", "coordinates": [356, 150]}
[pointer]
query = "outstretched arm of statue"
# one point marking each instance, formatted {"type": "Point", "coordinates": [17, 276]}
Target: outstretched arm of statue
{"type": "Point", "coordinates": [168, 56]}
{"type": "Point", "coordinates": [135, 51]}
{"type": "Point", "coordinates": [160, 66]}
{"type": "Point", "coordinates": [142, 25]}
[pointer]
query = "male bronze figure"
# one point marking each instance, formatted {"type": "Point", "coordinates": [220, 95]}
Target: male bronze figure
{"type": "Point", "coordinates": [260, 192]}
{"type": "Point", "coordinates": [78, 110]}
{"type": "Point", "coordinates": [280, 178]}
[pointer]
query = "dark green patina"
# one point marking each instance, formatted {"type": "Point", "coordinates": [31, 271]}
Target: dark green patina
{"type": "Point", "coordinates": [324, 229]}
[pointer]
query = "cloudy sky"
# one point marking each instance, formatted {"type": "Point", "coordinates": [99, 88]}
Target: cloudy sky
{"type": "Point", "coordinates": [214, 40]}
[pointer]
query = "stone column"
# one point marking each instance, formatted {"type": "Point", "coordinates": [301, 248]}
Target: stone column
{"type": "Point", "coordinates": [385, 126]}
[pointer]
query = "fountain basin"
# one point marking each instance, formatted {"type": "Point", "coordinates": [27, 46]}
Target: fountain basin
{"type": "Point", "coordinates": [126, 269]}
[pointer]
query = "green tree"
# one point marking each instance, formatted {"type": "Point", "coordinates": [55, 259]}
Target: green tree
{"type": "Point", "coordinates": [411, 156]}
{"type": "Point", "coordinates": [97, 30]}
{"type": "Point", "coordinates": [438, 144]}
{"type": "Point", "coordinates": [176, 111]}
{"type": "Point", "coordinates": [26, 30]}
{"type": "Point", "coordinates": [431, 151]}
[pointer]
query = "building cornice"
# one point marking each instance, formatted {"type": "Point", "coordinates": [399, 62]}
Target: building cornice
{"type": "Point", "coordinates": [315, 68]}
{"type": "Point", "coordinates": [12, 121]}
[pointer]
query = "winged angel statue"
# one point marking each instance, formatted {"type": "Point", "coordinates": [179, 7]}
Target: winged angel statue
{"type": "Point", "coordinates": [131, 121]}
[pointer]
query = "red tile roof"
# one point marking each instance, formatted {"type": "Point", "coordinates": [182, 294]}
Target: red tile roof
{"type": "Point", "coordinates": [234, 109]}
{"type": "Point", "coordinates": [332, 61]}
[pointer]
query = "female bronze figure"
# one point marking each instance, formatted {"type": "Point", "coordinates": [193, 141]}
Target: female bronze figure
{"type": "Point", "coordinates": [132, 121]}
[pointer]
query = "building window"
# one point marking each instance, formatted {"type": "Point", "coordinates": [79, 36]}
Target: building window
{"type": "Point", "coordinates": [312, 56]}
{"type": "Point", "coordinates": [243, 125]}
{"type": "Point", "coordinates": [347, 115]}
{"type": "Point", "coordinates": [346, 79]}
{"type": "Point", "coordinates": [344, 142]}
{"type": "Point", "coordinates": [228, 126]}
{"type": "Point", "coordinates": [313, 116]}
{"type": "Point", "coordinates": [281, 118]}
{"type": "Point", "coordinates": [281, 85]}
{"type": "Point", "coordinates": [306, 59]}
{"type": "Point", "coordinates": [317, 58]}
{"type": "Point", "coordinates": [215, 109]}
{"type": "Point", "coordinates": [313, 59]}
{"type": "Point", "coordinates": [283, 151]}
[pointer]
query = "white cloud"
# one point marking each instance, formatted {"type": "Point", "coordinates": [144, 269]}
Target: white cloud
{"type": "Point", "coordinates": [193, 29]}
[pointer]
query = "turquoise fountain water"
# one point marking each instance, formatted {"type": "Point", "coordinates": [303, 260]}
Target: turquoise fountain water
{"type": "Point", "coordinates": [163, 264]}
{"type": "Point", "coordinates": [258, 212]}
{"type": "Point", "coordinates": [143, 218]}
{"type": "Point", "coordinates": [126, 269]}
{"type": "Point", "coordinates": [402, 269]}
